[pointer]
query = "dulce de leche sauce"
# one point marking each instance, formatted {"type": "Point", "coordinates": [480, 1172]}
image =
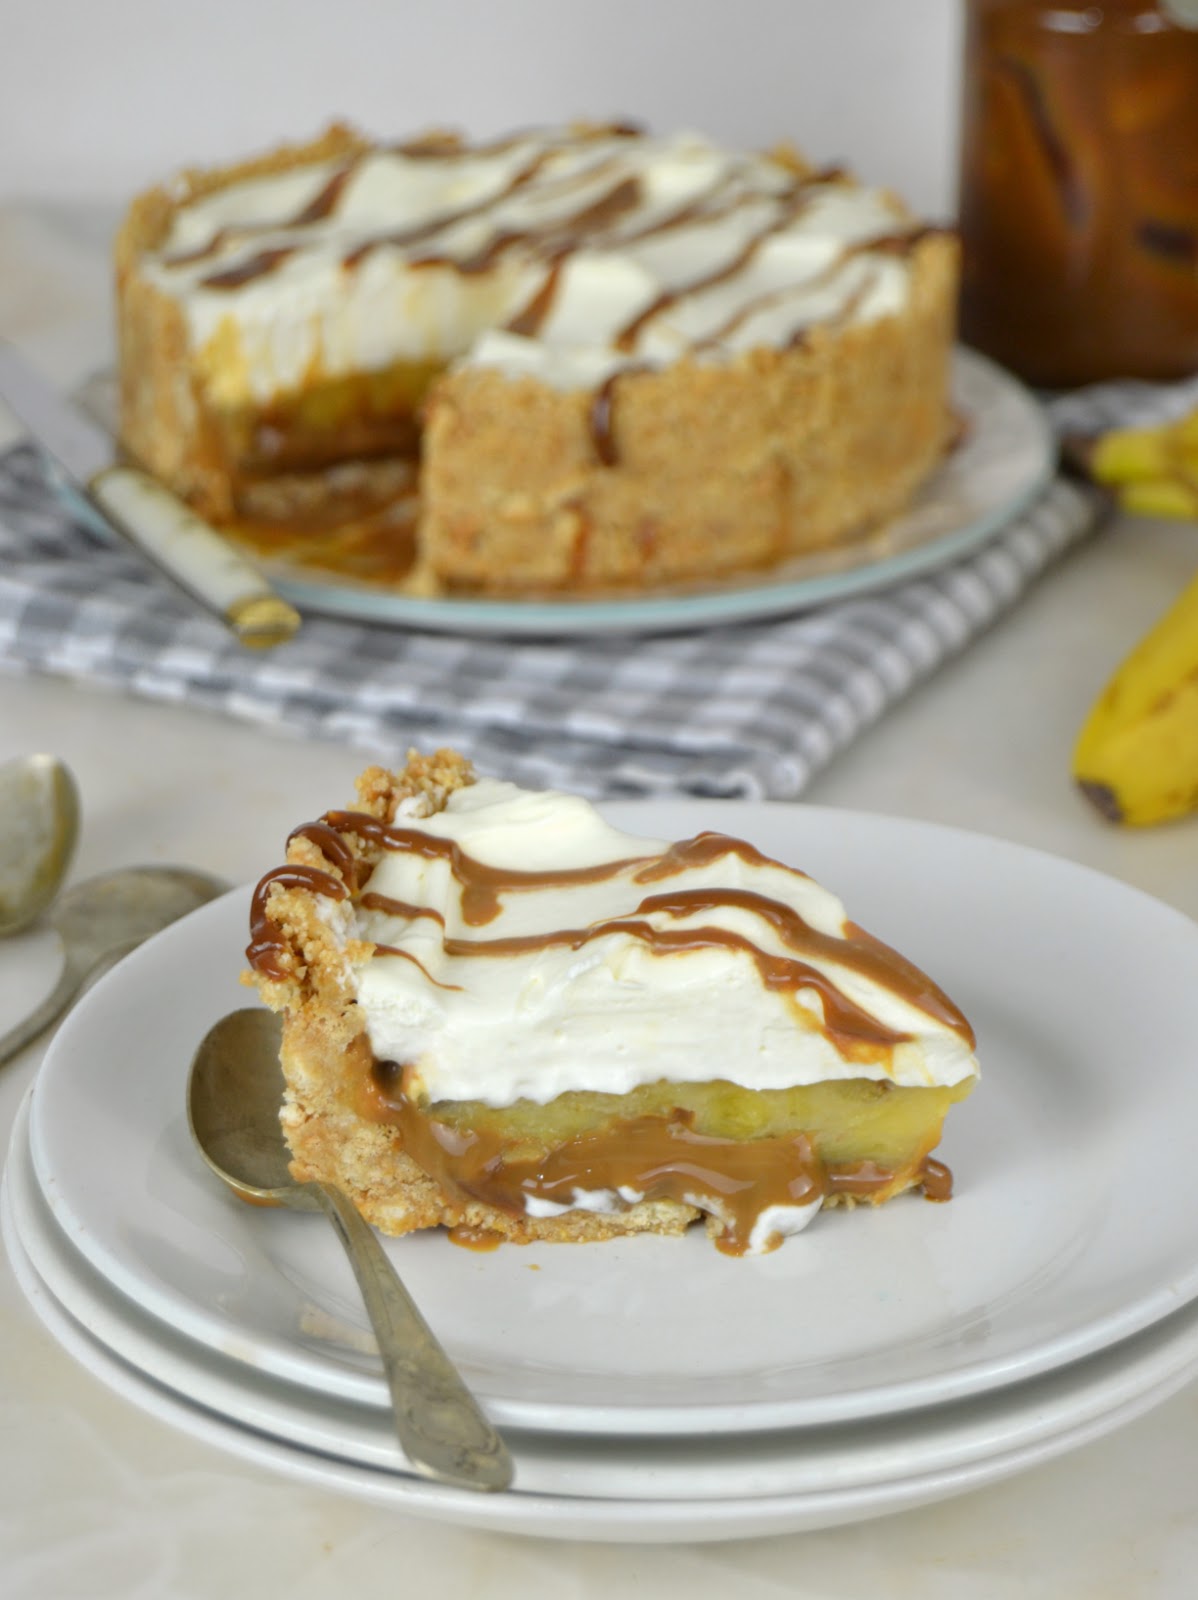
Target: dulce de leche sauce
{"type": "Point", "coordinates": [1079, 188]}
{"type": "Point", "coordinates": [641, 1158]}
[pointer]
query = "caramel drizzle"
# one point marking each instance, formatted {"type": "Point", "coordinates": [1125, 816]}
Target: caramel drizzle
{"type": "Point", "coordinates": [708, 206]}
{"type": "Point", "coordinates": [746, 312]}
{"type": "Point", "coordinates": [257, 266]}
{"type": "Point", "coordinates": [902, 242]}
{"type": "Point", "coordinates": [556, 238]}
{"type": "Point", "coordinates": [598, 215]}
{"type": "Point", "coordinates": [322, 205]}
{"type": "Point", "coordinates": [795, 202]}
{"type": "Point", "coordinates": [554, 241]}
{"type": "Point", "coordinates": [845, 1023]}
{"type": "Point", "coordinates": [657, 1157]}
{"type": "Point", "coordinates": [601, 418]}
{"type": "Point", "coordinates": [482, 886]}
{"type": "Point", "coordinates": [855, 1031]}
{"type": "Point", "coordinates": [528, 322]}
{"type": "Point", "coordinates": [332, 846]}
{"type": "Point", "coordinates": [388, 907]}
{"type": "Point", "coordinates": [702, 850]}
{"type": "Point", "coordinates": [268, 943]}
{"type": "Point", "coordinates": [857, 950]}
{"type": "Point", "coordinates": [450, 146]}
{"type": "Point", "coordinates": [405, 238]}
{"type": "Point", "coordinates": [326, 201]}
{"type": "Point", "coordinates": [406, 955]}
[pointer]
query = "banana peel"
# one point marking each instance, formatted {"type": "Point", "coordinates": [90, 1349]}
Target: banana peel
{"type": "Point", "coordinates": [1136, 757]}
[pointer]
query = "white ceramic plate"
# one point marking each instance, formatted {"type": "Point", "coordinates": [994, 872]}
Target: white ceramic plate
{"type": "Point", "coordinates": [554, 1516]}
{"type": "Point", "coordinates": [1085, 996]}
{"type": "Point", "coordinates": [1005, 460]}
{"type": "Point", "coordinates": [958, 1436]}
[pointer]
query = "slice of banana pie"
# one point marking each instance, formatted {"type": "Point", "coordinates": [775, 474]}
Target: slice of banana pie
{"type": "Point", "coordinates": [504, 1016]}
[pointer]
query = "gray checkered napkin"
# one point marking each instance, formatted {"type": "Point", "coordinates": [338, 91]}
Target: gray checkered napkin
{"type": "Point", "coordinates": [750, 710]}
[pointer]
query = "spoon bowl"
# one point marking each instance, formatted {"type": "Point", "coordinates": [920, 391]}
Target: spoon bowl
{"type": "Point", "coordinates": [103, 919]}
{"type": "Point", "coordinates": [233, 1098]}
{"type": "Point", "coordinates": [39, 828]}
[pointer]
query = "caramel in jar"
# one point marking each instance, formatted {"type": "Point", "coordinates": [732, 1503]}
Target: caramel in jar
{"type": "Point", "coordinates": [1079, 188]}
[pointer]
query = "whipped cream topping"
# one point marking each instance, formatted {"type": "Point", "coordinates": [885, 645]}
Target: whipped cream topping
{"type": "Point", "coordinates": [523, 947]}
{"type": "Point", "coordinates": [569, 256]}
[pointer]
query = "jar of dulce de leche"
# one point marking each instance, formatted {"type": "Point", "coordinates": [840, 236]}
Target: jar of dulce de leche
{"type": "Point", "coordinates": [1079, 188]}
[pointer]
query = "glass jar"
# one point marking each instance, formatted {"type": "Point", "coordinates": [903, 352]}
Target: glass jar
{"type": "Point", "coordinates": [1079, 188]}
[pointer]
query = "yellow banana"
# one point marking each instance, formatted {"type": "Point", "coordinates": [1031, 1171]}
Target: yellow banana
{"type": "Point", "coordinates": [1127, 454]}
{"type": "Point", "coordinates": [1186, 434]}
{"type": "Point", "coordinates": [1136, 757]}
{"type": "Point", "coordinates": [1160, 497]}
{"type": "Point", "coordinates": [1153, 471]}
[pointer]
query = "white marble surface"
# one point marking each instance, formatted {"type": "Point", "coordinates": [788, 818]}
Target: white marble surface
{"type": "Point", "coordinates": [98, 1501]}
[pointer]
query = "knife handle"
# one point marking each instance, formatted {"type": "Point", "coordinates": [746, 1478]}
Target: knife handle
{"type": "Point", "coordinates": [194, 555]}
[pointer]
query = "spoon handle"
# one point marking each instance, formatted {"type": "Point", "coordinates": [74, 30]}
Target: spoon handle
{"type": "Point", "coordinates": [443, 1432]}
{"type": "Point", "coordinates": [70, 981]}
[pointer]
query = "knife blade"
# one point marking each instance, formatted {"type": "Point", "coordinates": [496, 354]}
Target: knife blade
{"type": "Point", "coordinates": [135, 505]}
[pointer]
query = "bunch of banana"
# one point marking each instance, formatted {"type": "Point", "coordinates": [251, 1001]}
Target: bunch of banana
{"type": "Point", "coordinates": [1152, 471]}
{"type": "Point", "coordinates": [1136, 757]}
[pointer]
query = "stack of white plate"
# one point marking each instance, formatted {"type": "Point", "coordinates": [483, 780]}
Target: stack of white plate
{"type": "Point", "coordinates": [653, 1388]}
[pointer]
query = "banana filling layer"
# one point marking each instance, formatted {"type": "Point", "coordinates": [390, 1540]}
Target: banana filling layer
{"type": "Point", "coordinates": [797, 1149]}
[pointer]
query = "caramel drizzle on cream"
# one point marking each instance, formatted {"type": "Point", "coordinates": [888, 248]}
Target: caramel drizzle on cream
{"type": "Point", "coordinates": [846, 1023]}
{"type": "Point", "coordinates": [482, 887]}
{"type": "Point", "coordinates": [795, 202]}
{"type": "Point", "coordinates": [605, 220]}
{"type": "Point", "coordinates": [322, 205]}
{"type": "Point", "coordinates": [256, 266]}
{"type": "Point", "coordinates": [420, 233]}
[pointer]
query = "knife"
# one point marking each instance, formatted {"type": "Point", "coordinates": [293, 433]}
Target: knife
{"type": "Point", "coordinates": [179, 543]}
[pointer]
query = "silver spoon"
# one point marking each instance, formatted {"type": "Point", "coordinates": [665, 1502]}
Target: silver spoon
{"type": "Point", "coordinates": [103, 919]}
{"type": "Point", "coordinates": [39, 826]}
{"type": "Point", "coordinates": [233, 1100]}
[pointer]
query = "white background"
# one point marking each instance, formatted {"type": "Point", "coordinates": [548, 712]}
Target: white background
{"type": "Point", "coordinates": [100, 98]}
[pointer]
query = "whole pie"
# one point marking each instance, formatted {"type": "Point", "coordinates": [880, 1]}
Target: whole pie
{"type": "Point", "coordinates": [559, 361]}
{"type": "Point", "coordinates": [505, 1017]}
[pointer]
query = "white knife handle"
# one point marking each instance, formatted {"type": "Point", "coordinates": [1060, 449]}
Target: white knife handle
{"type": "Point", "coordinates": [194, 556]}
